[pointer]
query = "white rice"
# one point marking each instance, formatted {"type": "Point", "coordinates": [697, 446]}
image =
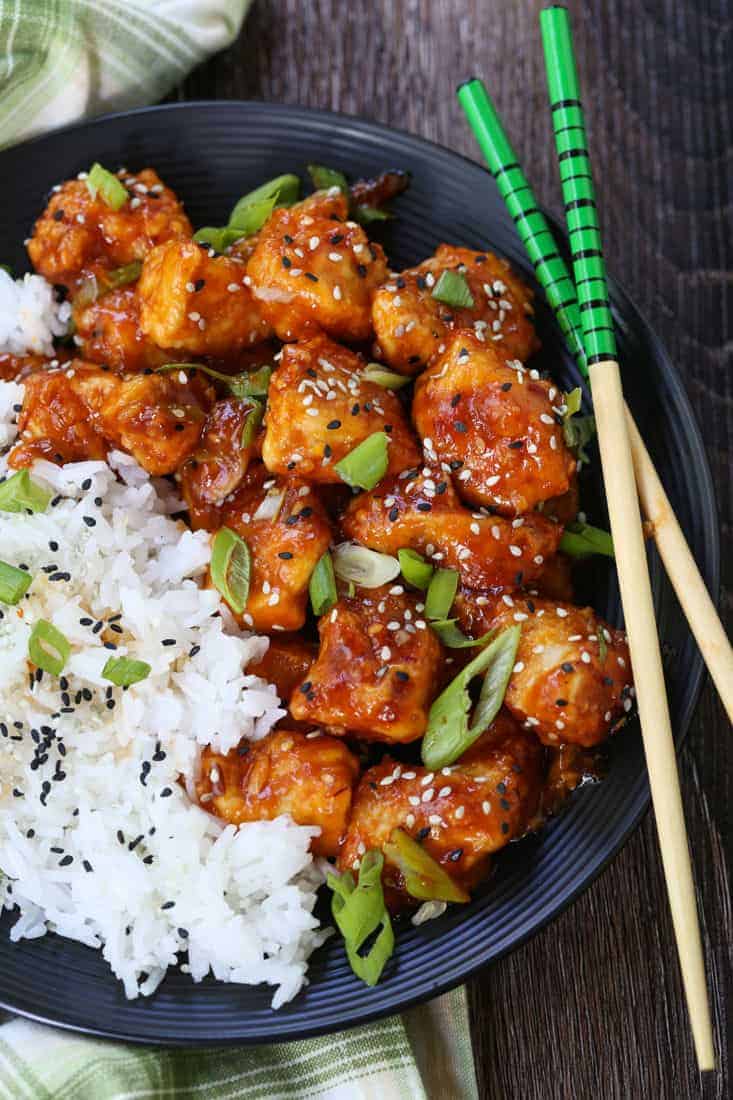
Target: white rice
{"type": "Point", "coordinates": [98, 839]}
{"type": "Point", "coordinates": [30, 315]}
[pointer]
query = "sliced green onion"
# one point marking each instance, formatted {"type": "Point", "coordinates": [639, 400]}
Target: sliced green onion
{"type": "Point", "coordinates": [230, 566]}
{"type": "Point", "coordinates": [219, 238]}
{"type": "Point", "coordinates": [602, 646]}
{"type": "Point", "coordinates": [449, 734]}
{"type": "Point", "coordinates": [381, 376]}
{"type": "Point", "coordinates": [252, 422]}
{"type": "Point", "coordinates": [247, 384]}
{"type": "Point", "coordinates": [580, 540]}
{"type": "Point", "coordinates": [123, 276]}
{"type": "Point", "coordinates": [573, 401]}
{"type": "Point", "coordinates": [415, 569]}
{"type": "Point", "coordinates": [21, 494]}
{"type": "Point", "coordinates": [253, 209]}
{"type": "Point", "coordinates": [7, 268]}
{"type": "Point", "coordinates": [322, 586]}
{"type": "Point", "coordinates": [366, 465]}
{"type": "Point", "coordinates": [352, 562]}
{"type": "Point", "coordinates": [48, 648]}
{"type": "Point", "coordinates": [454, 638]}
{"type": "Point", "coordinates": [125, 671]}
{"type": "Point", "coordinates": [578, 432]}
{"type": "Point", "coordinates": [365, 215]}
{"type": "Point", "coordinates": [14, 583]}
{"type": "Point", "coordinates": [360, 913]}
{"type": "Point", "coordinates": [109, 187]}
{"type": "Point", "coordinates": [325, 178]}
{"type": "Point", "coordinates": [453, 289]}
{"type": "Point", "coordinates": [441, 594]}
{"type": "Point", "coordinates": [95, 287]}
{"type": "Point", "coordinates": [424, 878]}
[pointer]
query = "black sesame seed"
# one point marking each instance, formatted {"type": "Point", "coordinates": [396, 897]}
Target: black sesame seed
{"type": "Point", "coordinates": [404, 676]}
{"type": "Point", "coordinates": [66, 861]}
{"type": "Point", "coordinates": [305, 687]}
{"type": "Point", "coordinates": [147, 860]}
{"type": "Point", "coordinates": [424, 506]}
{"type": "Point", "coordinates": [90, 521]}
{"type": "Point", "coordinates": [287, 238]}
{"type": "Point", "coordinates": [286, 262]}
{"type": "Point", "coordinates": [167, 905]}
{"type": "Point", "coordinates": [460, 426]}
{"type": "Point", "coordinates": [285, 555]}
{"type": "Point", "coordinates": [87, 865]}
{"type": "Point", "coordinates": [194, 650]}
{"type": "Point", "coordinates": [183, 933]}
{"type": "Point", "coordinates": [505, 804]}
{"type": "Point", "coordinates": [333, 424]}
{"type": "Point", "coordinates": [361, 270]}
{"type": "Point", "coordinates": [178, 427]}
{"type": "Point", "coordinates": [504, 828]}
{"type": "Point", "coordinates": [337, 238]}
{"type": "Point", "coordinates": [422, 833]}
{"type": "Point", "coordinates": [313, 278]}
{"type": "Point", "coordinates": [516, 444]}
{"type": "Point", "coordinates": [567, 667]}
{"type": "Point", "coordinates": [86, 621]}
{"type": "Point", "coordinates": [455, 855]}
{"type": "Point", "coordinates": [166, 792]}
{"type": "Point", "coordinates": [120, 836]}
{"type": "Point", "coordinates": [58, 215]}
{"type": "Point", "coordinates": [355, 409]}
{"type": "Point", "coordinates": [506, 386]}
{"type": "Point", "coordinates": [86, 484]}
{"type": "Point", "coordinates": [393, 514]}
{"type": "Point", "coordinates": [455, 399]}
{"type": "Point", "coordinates": [168, 641]}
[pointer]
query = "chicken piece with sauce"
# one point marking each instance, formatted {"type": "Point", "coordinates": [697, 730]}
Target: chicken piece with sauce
{"type": "Point", "coordinates": [419, 509]}
{"type": "Point", "coordinates": [108, 331]}
{"type": "Point", "coordinates": [198, 302]}
{"type": "Point", "coordinates": [309, 777]}
{"type": "Point", "coordinates": [497, 423]}
{"type": "Point", "coordinates": [77, 230]}
{"type": "Point", "coordinates": [460, 815]}
{"type": "Point", "coordinates": [411, 325]}
{"type": "Point", "coordinates": [287, 531]}
{"type": "Point", "coordinates": [377, 671]}
{"type": "Point", "coordinates": [14, 368]}
{"type": "Point", "coordinates": [314, 270]}
{"type": "Point", "coordinates": [320, 408]}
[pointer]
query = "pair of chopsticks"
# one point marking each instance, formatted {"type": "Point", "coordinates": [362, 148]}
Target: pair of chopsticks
{"type": "Point", "coordinates": [582, 307]}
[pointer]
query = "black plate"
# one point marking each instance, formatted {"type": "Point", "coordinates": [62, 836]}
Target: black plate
{"type": "Point", "coordinates": [211, 153]}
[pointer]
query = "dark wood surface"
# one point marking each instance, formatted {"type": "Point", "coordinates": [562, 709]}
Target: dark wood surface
{"type": "Point", "coordinates": [592, 1007]}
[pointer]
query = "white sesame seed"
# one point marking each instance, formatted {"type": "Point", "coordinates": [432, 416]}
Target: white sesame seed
{"type": "Point", "coordinates": [428, 795]}
{"type": "Point", "coordinates": [434, 819]}
{"type": "Point", "coordinates": [409, 775]}
{"type": "Point", "coordinates": [486, 807]}
{"type": "Point", "coordinates": [410, 821]}
{"type": "Point", "coordinates": [546, 418]}
{"type": "Point", "coordinates": [519, 667]}
{"type": "Point", "coordinates": [413, 800]}
{"type": "Point", "coordinates": [459, 812]}
{"type": "Point", "coordinates": [232, 287]}
{"type": "Point", "coordinates": [444, 792]}
{"type": "Point", "coordinates": [515, 551]}
{"type": "Point", "coordinates": [337, 293]}
{"type": "Point", "coordinates": [561, 612]}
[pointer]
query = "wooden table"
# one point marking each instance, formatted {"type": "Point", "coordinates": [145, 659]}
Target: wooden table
{"type": "Point", "coordinates": [593, 1006]}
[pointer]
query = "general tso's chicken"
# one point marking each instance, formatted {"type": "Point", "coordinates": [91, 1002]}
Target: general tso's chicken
{"type": "Point", "coordinates": [460, 815]}
{"type": "Point", "coordinates": [495, 423]}
{"type": "Point", "coordinates": [572, 679]}
{"type": "Point", "coordinates": [377, 670]}
{"type": "Point", "coordinates": [313, 271]}
{"type": "Point", "coordinates": [61, 415]}
{"type": "Point", "coordinates": [570, 767]}
{"type": "Point", "coordinates": [309, 777]}
{"type": "Point", "coordinates": [157, 418]}
{"type": "Point", "coordinates": [76, 230]}
{"type": "Point", "coordinates": [419, 509]}
{"type": "Point", "coordinates": [198, 302]}
{"type": "Point", "coordinates": [285, 663]}
{"type": "Point", "coordinates": [287, 531]}
{"type": "Point", "coordinates": [219, 463]}
{"type": "Point", "coordinates": [14, 368]}
{"type": "Point", "coordinates": [320, 408]}
{"type": "Point", "coordinates": [410, 324]}
{"type": "Point", "coordinates": [108, 331]}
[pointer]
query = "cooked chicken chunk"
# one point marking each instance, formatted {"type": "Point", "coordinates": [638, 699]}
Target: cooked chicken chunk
{"type": "Point", "coordinates": [421, 511]}
{"type": "Point", "coordinates": [14, 368]}
{"type": "Point", "coordinates": [61, 415]}
{"type": "Point", "coordinates": [410, 324]}
{"type": "Point", "coordinates": [219, 463]}
{"type": "Point", "coordinates": [286, 662]}
{"type": "Point", "coordinates": [108, 331]}
{"type": "Point", "coordinates": [76, 230]}
{"type": "Point", "coordinates": [320, 409]}
{"type": "Point", "coordinates": [572, 680]}
{"type": "Point", "coordinates": [313, 270]}
{"type": "Point", "coordinates": [497, 423]}
{"type": "Point", "coordinates": [198, 302]}
{"type": "Point", "coordinates": [377, 669]}
{"type": "Point", "coordinates": [287, 531]}
{"type": "Point", "coordinates": [460, 815]}
{"type": "Point", "coordinates": [309, 778]}
{"type": "Point", "coordinates": [157, 418]}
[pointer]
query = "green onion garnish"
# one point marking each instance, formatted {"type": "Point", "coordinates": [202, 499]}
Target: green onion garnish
{"type": "Point", "coordinates": [219, 238]}
{"type": "Point", "coordinates": [110, 188]}
{"type": "Point", "coordinates": [449, 734]}
{"type": "Point", "coordinates": [381, 376]}
{"type": "Point", "coordinates": [21, 494]}
{"type": "Point", "coordinates": [325, 178]}
{"type": "Point", "coordinates": [415, 569]}
{"type": "Point", "coordinates": [365, 215]}
{"type": "Point", "coordinates": [452, 289]}
{"type": "Point", "coordinates": [48, 648]}
{"type": "Point", "coordinates": [95, 287]}
{"type": "Point", "coordinates": [367, 568]}
{"type": "Point", "coordinates": [573, 401]}
{"type": "Point", "coordinates": [580, 540]}
{"type": "Point", "coordinates": [14, 583]}
{"type": "Point", "coordinates": [7, 268]}
{"type": "Point", "coordinates": [578, 432]}
{"type": "Point", "coordinates": [125, 671]}
{"type": "Point", "coordinates": [454, 638]}
{"type": "Point", "coordinates": [441, 594]}
{"type": "Point", "coordinates": [366, 465]}
{"type": "Point", "coordinates": [247, 384]}
{"type": "Point", "coordinates": [322, 586]}
{"type": "Point", "coordinates": [360, 913]}
{"type": "Point", "coordinates": [230, 568]}
{"type": "Point", "coordinates": [251, 212]}
{"type": "Point", "coordinates": [252, 421]}
{"type": "Point", "coordinates": [424, 878]}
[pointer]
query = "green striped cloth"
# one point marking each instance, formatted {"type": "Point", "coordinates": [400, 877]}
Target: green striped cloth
{"type": "Point", "coordinates": [61, 60]}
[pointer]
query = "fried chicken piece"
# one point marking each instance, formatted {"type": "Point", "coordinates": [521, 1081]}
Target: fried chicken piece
{"type": "Point", "coordinates": [311, 778]}
{"type": "Point", "coordinates": [377, 670]}
{"type": "Point", "coordinates": [76, 231]}
{"type": "Point", "coordinates": [422, 511]}
{"type": "Point", "coordinates": [285, 663]}
{"type": "Point", "coordinates": [15, 368]}
{"type": "Point", "coordinates": [287, 531]}
{"type": "Point", "coordinates": [320, 408]}
{"type": "Point", "coordinates": [314, 270]}
{"type": "Point", "coordinates": [410, 324]}
{"type": "Point", "coordinates": [198, 302]}
{"type": "Point", "coordinates": [108, 331]}
{"type": "Point", "coordinates": [460, 815]}
{"type": "Point", "coordinates": [497, 422]}
{"type": "Point", "coordinates": [219, 463]}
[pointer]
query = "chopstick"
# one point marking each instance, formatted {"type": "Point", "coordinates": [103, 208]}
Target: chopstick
{"type": "Point", "coordinates": [559, 287]}
{"type": "Point", "coordinates": [617, 465]}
